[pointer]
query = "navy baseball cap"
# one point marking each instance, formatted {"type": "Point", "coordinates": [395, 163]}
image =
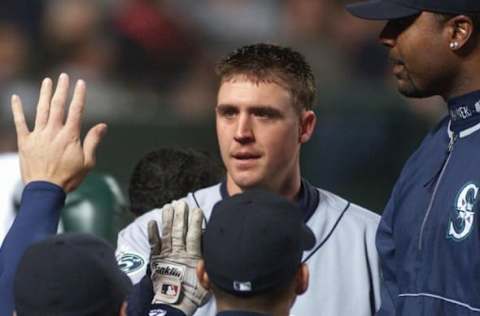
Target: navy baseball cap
{"type": "Point", "coordinates": [254, 242]}
{"type": "Point", "coordinates": [69, 274]}
{"type": "Point", "coordinates": [395, 9]}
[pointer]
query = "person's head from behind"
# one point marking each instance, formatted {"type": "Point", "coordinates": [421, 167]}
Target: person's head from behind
{"type": "Point", "coordinates": [70, 274]}
{"type": "Point", "coordinates": [252, 253]}
{"type": "Point", "coordinates": [263, 115]}
{"type": "Point", "coordinates": [168, 174]}
{"type": "Point", "coordinates": [433, 45]}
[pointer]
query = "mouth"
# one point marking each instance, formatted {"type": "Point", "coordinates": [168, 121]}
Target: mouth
{"type": "Point", "coordinates": [397, 66]}
{"type": "Point", "coordinates": [245, 156]}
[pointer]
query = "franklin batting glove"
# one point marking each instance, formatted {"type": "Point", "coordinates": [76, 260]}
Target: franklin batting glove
{"type": "Point", "coordinates": [174, 258]}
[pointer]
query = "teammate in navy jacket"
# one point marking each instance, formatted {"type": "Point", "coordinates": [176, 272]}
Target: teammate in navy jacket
{"type": "Point", "coordinates": [429, 237]}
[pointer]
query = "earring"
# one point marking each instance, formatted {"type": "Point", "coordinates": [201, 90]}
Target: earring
{"type": "Point", "coordinates": [453, 45]}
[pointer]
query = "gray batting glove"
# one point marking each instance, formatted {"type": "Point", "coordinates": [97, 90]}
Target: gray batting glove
{"type": "Point", "coordinates": [174, 257]}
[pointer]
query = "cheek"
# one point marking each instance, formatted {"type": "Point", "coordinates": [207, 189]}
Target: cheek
{"type": "Point", "coordinates": [282, 144]}
{"type": "Point", "coordinates": [222, 137]}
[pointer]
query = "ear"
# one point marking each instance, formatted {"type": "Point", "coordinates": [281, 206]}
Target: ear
{"type": "Point", "coordinates": [302, 278]}
{"type": "Point", "coordinates": [123, 309]}
{"type": "Point", "coordinates": [459, 31]}
{"type": "Point", "coordinates": [308, 120]}
{"type": "Point", "coordinates": [202, 275]}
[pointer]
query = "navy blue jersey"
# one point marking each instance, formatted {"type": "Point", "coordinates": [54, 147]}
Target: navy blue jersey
{"type": "Point", "coordinates": [429, 237]}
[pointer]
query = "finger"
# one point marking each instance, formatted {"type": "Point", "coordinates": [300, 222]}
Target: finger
{"type": "Point", "coordinates": [57, 107]}
{"type": "Point", "coordinates": [154, 238]}
{"type": "Point", "coordinates": [75, 112]}
{"type": "Point", "coordinates": [194, 233]}
{"type": "Point", "coordinates": [90, 144]}
{"type": "Point", "coordinates": [43, 105]}
{"type": "Point", "coordinates": [167, 224]}
{"type": "Point", "coordinates": [19, 117]}
{"type": "Point", "coordinates": [179, 230]}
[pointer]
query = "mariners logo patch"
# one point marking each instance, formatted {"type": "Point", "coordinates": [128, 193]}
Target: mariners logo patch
{"type": "Point", "coordinates": [129, 262]}
{"type": "Point", "coordinates": [462, 217]}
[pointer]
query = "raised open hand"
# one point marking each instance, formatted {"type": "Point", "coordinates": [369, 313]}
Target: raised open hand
{"type": "Point", "coordinates": [53, 151]}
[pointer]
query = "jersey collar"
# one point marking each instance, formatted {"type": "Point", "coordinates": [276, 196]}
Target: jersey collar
{"type": "Point", "coordinates": [308, 197]}
{"type": "Point", "coordinates": [464, 114]}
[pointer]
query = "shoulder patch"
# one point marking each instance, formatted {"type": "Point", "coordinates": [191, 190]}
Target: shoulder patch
{"type": "Point", "coordinates": [130, 262]}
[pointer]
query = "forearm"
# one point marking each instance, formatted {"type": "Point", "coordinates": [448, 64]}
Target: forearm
{"type": "Point", "coordinates": [37, 218]}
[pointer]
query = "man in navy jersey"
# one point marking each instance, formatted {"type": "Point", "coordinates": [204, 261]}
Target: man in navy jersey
{"type": "Point", "coordinates": [428, 238]}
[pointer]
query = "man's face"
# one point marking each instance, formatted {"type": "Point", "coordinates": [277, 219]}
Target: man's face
{"type": "Point", "coordinates": [258, 132]}
{"type": "Point", "coordinates": [418, 51]}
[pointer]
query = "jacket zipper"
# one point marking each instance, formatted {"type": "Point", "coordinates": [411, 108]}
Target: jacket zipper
{"type": "Point", "coordinates": [432, 199]}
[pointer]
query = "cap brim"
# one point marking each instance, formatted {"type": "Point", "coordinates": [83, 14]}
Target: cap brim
{"type": "Point", "coordinates": [380, 10]}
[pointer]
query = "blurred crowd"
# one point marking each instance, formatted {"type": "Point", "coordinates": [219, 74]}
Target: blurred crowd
{"type": "Point", "coordinates": [149, 66]}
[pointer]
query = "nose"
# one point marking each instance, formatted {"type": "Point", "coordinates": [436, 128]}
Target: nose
{"type": "Point", "coordinates": [244, 129]}
{"type": "Point", "coordinates": [388, 35]}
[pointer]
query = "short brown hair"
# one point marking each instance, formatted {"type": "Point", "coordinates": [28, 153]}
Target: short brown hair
{"type": "Point", "coordinates": [272, 63]}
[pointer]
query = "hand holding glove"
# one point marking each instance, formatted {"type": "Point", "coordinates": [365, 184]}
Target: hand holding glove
{"type": "Point", "coordinates": [174, 256]}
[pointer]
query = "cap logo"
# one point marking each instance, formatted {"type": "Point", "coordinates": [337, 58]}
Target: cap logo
{"type": "Point", "coordinates": [242, 286]}
{"type": "Point", "coordinates": [129, 262]}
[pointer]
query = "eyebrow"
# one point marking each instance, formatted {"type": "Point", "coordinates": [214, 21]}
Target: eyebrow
{"type": "Point", "coordinates": [251, 109]}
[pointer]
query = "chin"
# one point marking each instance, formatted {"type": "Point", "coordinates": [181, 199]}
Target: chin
{"type": "Point", "coordinates": [246, 181]}
{"type": "Point", "coordinates": [412, 92]}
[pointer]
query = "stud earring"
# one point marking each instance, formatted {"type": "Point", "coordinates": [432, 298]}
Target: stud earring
{"type": "Point", "coordinates": [453, 45]}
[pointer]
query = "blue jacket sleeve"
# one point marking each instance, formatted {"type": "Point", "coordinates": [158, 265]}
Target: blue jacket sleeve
{"type": "Point", "coordinates": [38, 217]}
{"type": "Point", "coordinates": [140, 298]}
{"type": "Point", "coordinates": [386, 248]}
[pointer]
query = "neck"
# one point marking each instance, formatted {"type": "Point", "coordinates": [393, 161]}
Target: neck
{"type": "Point", "coordinates": [277, 310]}
{"type": "Point", "coordinates": [466, 79]}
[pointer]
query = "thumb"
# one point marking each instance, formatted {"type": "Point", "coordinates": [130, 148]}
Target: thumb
{"type": "Point", "coordinates": [93, 138]}
{"type": "Point", "coordinates": [154, 238]}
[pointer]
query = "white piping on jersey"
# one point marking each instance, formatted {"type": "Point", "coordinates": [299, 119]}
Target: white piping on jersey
{"type": "Point", "coordinates": [309, 255]}
{"type": "Point", "coordinates": [473, 309]}
{"type": "Point", "coordinates": [465, 132]}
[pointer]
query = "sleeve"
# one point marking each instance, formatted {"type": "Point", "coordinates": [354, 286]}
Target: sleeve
{"type": "Point", "coordinates": [385, 234]}
{"type": "Point", "coordinates": [133, 249]}
{"type": "Point", "coordinates": [386, 249]}
{"type": "Point", "coordinates": [37, 218]}
{"type": "Point", "coordinates": [140, 298]}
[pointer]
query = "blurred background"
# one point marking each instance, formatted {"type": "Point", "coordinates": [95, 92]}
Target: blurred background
{"type": "Point", "coordinates": [149, 65]}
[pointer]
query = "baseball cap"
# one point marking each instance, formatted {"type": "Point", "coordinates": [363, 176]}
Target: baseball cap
{"type": "Point", "coordinates": [395, 9]}
{"type": "Point", "coordinates": [69, 274]}
{"type": "Point", "coordinates": [254, 242]}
